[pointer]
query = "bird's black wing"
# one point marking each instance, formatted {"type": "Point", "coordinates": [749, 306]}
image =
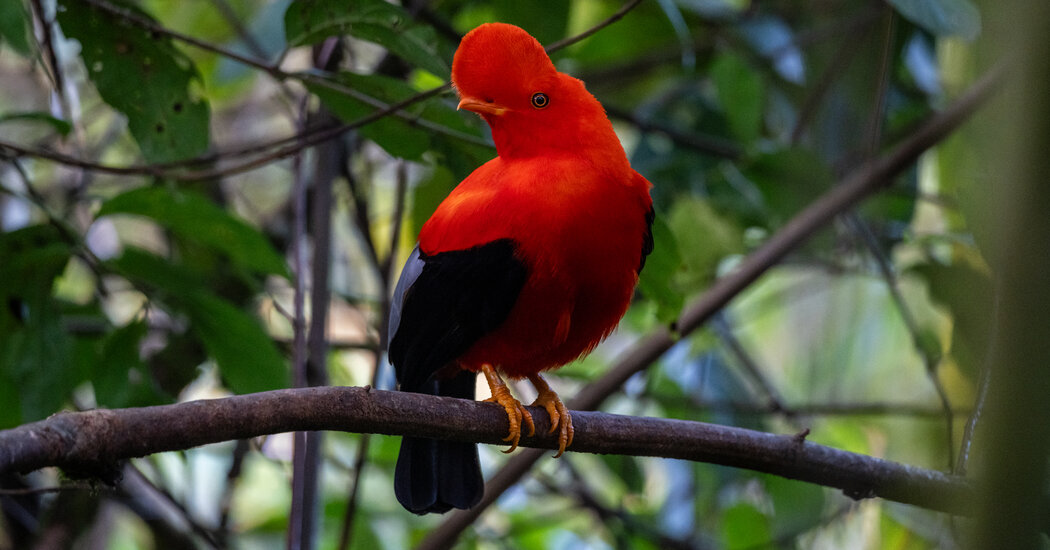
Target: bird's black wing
{"type": "Point", "coordinates": [445, 302]}
{"type": "Point", "coordinates": [647, 243]}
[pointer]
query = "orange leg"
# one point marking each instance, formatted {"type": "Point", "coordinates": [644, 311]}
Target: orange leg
{"type": "Point", "coordinates": [560, 417]}
{"type": "Point", "coordinates": [517, 414]}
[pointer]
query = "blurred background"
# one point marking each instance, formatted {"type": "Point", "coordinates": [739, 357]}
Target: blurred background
{"type": "Point", "coordinates": [191, 207]}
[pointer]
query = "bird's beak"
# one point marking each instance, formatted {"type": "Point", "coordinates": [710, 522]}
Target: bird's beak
{"type": "Point", "coordinates": [481, 107]}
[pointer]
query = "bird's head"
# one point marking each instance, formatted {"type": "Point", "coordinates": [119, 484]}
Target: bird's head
{"type": "Point", "coordinates": [502, 73]}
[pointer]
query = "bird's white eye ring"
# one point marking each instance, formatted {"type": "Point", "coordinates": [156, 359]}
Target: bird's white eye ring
{"type": "Point", "coordinates": [540, 100]}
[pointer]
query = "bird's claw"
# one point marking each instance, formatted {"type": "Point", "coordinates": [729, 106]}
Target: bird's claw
{"type": "Point", "coordinates": [517, 415]}
{"type": "Point", "coordinates": [561, 420]}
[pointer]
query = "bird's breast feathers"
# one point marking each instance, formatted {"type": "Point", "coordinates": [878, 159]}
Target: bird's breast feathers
{"type": "Point", "coordinates": [557, 210]}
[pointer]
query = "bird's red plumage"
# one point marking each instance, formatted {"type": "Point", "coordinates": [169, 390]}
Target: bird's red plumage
{"type": "Point", "coordinates": [561, 188]}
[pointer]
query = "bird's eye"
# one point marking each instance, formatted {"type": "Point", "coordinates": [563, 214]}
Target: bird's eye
{"type": "Point", "coordinates": [540, 100]}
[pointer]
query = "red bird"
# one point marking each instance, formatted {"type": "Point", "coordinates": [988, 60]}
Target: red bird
{"type": "Point", "coordinates": [526, 266]}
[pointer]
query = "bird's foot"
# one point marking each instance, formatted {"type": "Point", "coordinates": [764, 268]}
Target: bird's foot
{"type": "Point", "coordinates": [560, 418]}
{"type": "Point", "coordinates": [517, 414]}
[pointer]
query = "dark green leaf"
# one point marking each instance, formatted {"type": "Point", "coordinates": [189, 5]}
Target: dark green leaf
{"type": "Point", "coordinates": [11, 412]}
{"type": "Point", "coordinates": [38, 358]}
{"type": "Point", "coordinates": [741, 95]}
{"type": "Point", "coordinates": [310, 21]}
{"type": "Point", "coordinates": [797, 506]}
{"type": "Point", "coordinates": [547, 21]}
{"type": "Point", "coordinates": [247, 357]}
{"type": "Point", "coordinates": [428, 195]}
{"type": "Point", "coordinates": [58, 124]}
{"type": "Point", "coordinates": [142, 75]}
{"type": "Point", "coordinates": [157, 273]}
{"type": "Point", "coordinates": [119, 375]}
{"type": "Point", "coordinates": [14, 28]}
{"type": "Point", "coordinates": [942, 17]}
{"type": "Point", "coordinates": [789, 180]}
{"type": "Point", "coordinates": [196, 219]}
{"type": "Point", "coordinates": [35, 349]}
{"type": "Point", "coordinates": [397, 136]}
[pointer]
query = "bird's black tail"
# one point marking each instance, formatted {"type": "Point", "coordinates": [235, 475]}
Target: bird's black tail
{"type": "Point", "coordinates": [436, 476]}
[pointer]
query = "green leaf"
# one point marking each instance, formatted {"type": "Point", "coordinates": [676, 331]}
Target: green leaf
{"type": "Point", "coordinates": [390, 132]}
{"type": "Point", "coordinates": [789, 181]}
{"type": "Point", "coordinates": [428, 195]}
{"type": "Point", "coordinates": [378, 21]}
{"type": "Point", "coordinates": [968, 294]}
{"type": "Point", "coordinates": [741, 93]}
{"type": "Point", "coordinates": [744, 526]}
{"type": "Point", "coordinates": [119, 377]}
{"type": "Point", "coordinates": [60, 126]}
{"type": "Point", "coordinates": [142, 75]}
{"type": "Point", "coordinates": [35, 349]}
{"type": "Point", "coordinates": [248, 359]}
{"type": "Point", "coordinates": [196, 219]}
{"type": "Point", "coordinates": [942, 17]}
{"type": "Point", "coordinates": [656, 279]}
{"type": "Point", "coordinates": [547, 21]}
{"type": "Point", "coordinates": [11, 412]}
{"type": "Point", "coordinates": [704, 238]}
{"type": "Point", "coordinates": [797, 506]}
{"type": "Point", "coordinates": [14, 28]}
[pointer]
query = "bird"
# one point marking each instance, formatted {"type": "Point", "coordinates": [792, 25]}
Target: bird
{"type": "Point", "coordinates": [527, 265]}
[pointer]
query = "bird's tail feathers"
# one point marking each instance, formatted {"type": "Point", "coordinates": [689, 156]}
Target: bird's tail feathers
{"type": "Point", "coordinates": [435, 476]}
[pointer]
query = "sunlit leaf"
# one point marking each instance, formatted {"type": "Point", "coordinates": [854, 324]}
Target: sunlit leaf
{"type": "Point", "coordinates": [142, 75]}
{"type": "Point", "coordinates": [197, 219]}
{"type": "Point", "coordinates": [704, 238]}
{"type": "Point", "coordinates": [968, 294]}
{"type": "Point", "coordinates": [656, 281]}
{"type": "Point", "coordinates": [744, 526]}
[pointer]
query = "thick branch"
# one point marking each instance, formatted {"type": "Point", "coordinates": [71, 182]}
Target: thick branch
{"type": "Point", "coordinates": [92, 440]}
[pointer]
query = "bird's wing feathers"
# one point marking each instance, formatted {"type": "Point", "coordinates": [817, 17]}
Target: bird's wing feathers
{"type": "Point", "coordinates": [647, 242]}
{"type": "Point", "coordinates": [447, 301]}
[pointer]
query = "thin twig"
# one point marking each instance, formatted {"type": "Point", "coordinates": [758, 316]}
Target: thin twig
{"type": "Point", "coordinates": [725, 333]}
{"type": "Point", "coordinates": [58, 489]}
{"type": "Point", "coordinates": [586, 498]}
{"type": "Point", "coordinates": [710, 145]}
{"type": "Point", "coordinates": [566, 42]}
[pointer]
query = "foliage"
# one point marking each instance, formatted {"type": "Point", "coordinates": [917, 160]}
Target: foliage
{"type": "Point", "coordinates": [163, 264]}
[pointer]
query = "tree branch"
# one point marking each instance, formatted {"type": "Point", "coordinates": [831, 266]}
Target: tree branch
{"type": "Point", "coordinates": [93, 440]}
